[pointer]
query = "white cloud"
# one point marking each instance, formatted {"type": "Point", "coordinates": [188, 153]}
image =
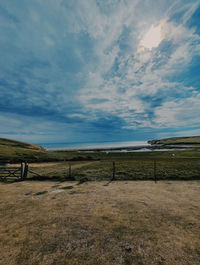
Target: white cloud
{"type": "Point", "coordinates": [194, 132]}
{"type": "Point", "coordinates": [99, 69]}
{"type": "Point", "coordinates": [36, 129]}
{"type": "Point", "coordinates": [187, 8]}
{"type": "Point", "coordinates": [141, 73]}
{"type": "Point", "coordinates": [77, 115]}
{"type": "Point", "coordinates": [182, 112]}
{"type": "Point", "coordinates": [152, 38]}
{"type": "Point", "coordinates": [190, 9]}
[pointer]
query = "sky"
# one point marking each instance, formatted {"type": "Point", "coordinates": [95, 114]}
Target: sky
{"type": "Point", "coordinates": [99, 70]}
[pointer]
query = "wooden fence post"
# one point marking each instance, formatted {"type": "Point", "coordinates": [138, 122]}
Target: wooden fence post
{"type": "Point", "coordinates": [22, 169]}
{"type": "Point", "coordinates": [155, 176]}
{"type": "Point", "coordinates": [113, 177]}
{"type": "Point", "coordinates": [25, 170]}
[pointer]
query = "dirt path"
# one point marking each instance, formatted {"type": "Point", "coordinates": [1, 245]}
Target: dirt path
{"type": "Point", "coordinates": [47, 164]}
{"type": "Point", "coordinates": [84, 164]}
{"type": "Point", "coordinates": [50, 164]}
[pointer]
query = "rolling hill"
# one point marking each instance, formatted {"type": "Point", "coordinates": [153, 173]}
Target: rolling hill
{"type": "Point", "coordinates": [190, 140]}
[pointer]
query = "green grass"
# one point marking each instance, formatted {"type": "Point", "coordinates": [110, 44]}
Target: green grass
{"type": "Point", "coordinates": [18, 144]}
{"type": "Point", "coordinates": [183, 165]}
{"type": "Point", "coordinates": [178, 140]}
{"type": "Point", "coordinates": [15, 151]}
{"type": "Point", "coordinates": [142, 169]}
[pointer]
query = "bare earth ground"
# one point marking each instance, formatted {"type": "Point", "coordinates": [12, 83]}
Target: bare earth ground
{"type": "Point", "coordinates": [53, 164]}
{"type": "Point", "coordinates": [47, 164]}
{"type": "Point", "coordinates": [125, 222]}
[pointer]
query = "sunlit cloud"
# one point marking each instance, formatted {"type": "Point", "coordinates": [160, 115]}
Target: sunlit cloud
{"type": "Point", "coordinates": [152, 38]}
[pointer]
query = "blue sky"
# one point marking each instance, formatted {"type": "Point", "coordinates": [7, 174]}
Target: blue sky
{"type": "Point", "coordinates": [89, 71]}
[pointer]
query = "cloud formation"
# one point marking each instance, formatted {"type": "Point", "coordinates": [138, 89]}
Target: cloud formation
{"type": "Point", "coordinates": [109, 69]}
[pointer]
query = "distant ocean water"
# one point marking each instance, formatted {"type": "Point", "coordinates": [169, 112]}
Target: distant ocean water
{"type": "Point", "coordinates": [91, 145]}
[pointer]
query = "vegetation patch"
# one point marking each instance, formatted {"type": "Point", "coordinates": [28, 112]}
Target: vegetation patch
{"type": "Point", "coordinates": [67, 188]}
{"type": "Point", "coordinates": [83, 180]}
{"type": "Point", "coordinates": [40, 193]}
{"type": "Point", "coordinates": [28, 193]}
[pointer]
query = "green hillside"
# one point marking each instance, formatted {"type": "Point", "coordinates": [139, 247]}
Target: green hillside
{"type": "Point", "coordinates": [16, 151]}
{"type": "Point", "coordinates": [11, 150]}
{"type": "Point", "coordinates": [14, 143]}
{"type": "Point", "coordinates": [177, 140]}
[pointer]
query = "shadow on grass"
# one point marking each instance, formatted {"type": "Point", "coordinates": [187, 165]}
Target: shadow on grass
{"type": "Point", "coordinates": [36, 178]}
{"type": "Point", "coordinates": [40, 193]}
{"type": "Point", "coordinates": [85, 179]}
{"type": "Point", "coordinates": [10, 181]}
{"type": "Point", "coordinates": [46, 178]}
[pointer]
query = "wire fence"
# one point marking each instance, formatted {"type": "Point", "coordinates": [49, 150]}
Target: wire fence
{"type": "Point", "coordinates": [174, 169]}
{"type": "Point", "coordinates": [132, 169]}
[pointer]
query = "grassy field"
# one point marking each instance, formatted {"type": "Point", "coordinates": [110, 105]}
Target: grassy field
{"type": "Point", "coordinates": [186, 169]}
{"type": "Point", "coordinates": [176, 165]}
{"type": "Point", "coordinates": [15, 151]}
{"type": "Point", "coordinates": [55, 223]}
{"type": "Point", "coordinates": [172, 165]}
{"type": "Point", "coordinates": [51, 220]}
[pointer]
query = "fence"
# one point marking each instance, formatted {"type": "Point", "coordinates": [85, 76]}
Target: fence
{"type": "Point", "coordinates": [133, 169]}
{"type": "Point", "coordinates": [119, 169]}
{"type": "Point", "coordinates": [7, 172]}
{"type": "Point", "coordinates": [115, 170]}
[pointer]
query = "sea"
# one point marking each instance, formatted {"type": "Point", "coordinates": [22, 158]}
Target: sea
{"type": "Point", "coordinates": [82, 145]}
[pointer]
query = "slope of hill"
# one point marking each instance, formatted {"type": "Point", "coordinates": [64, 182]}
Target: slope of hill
{"type": "Point", "coordinates": [16, 151]}
{"type": "Point", "coordinates": [11, 150]}
{"type": "Point", "coordinates": [177, 141]}
{"type": "Point", "coordinates": [14, 143]}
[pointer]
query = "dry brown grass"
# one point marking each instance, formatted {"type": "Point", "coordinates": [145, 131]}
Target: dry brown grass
{"type": "Point", "coordinates": [43, 164]}
{"type": "Point", "coordinates": [51, 223]}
